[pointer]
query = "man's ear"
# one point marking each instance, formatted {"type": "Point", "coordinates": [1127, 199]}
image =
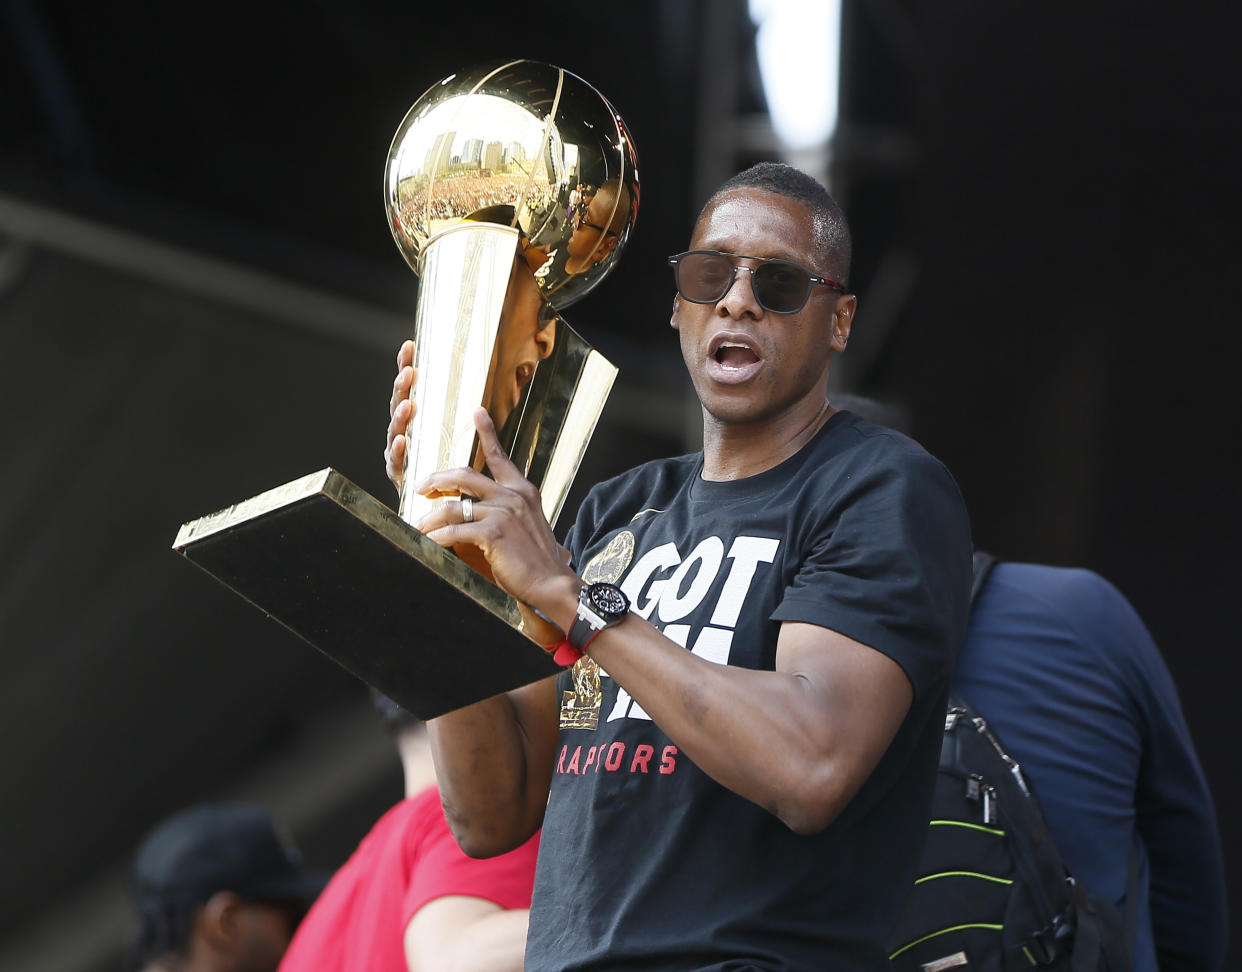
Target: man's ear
{"type": "Point", "coordinates": [672, 321]}
{"type": "Point", "coordinates": [545, 339]}
{"type": "Point", "coordinates": [842, 321]}
{"type": "Point", "coordinates": [604, 248]}
{"type": "Point", "coordinates": [219, 921]}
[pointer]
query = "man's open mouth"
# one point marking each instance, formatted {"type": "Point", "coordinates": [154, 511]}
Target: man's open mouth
{"type": "Point", "coordinates": [734, 355]}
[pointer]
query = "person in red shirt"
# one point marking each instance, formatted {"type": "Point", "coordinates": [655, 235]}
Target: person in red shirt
{"type": "Point", "coordinates": [409, 898]}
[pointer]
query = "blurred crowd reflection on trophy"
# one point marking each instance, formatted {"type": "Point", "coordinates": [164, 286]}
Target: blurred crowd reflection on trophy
{"type": "Point", "coordinates": [510, 190]}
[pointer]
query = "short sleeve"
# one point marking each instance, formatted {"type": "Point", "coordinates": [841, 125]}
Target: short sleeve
{"type": "Point", "coordinates": [441, 868]}
{"type": "Point", "coordinates": [890, 567]}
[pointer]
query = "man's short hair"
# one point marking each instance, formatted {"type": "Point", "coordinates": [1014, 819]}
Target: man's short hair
{"type": "Point", "coordinates": [205, 849]}
{"type": "Point", "coordinates": [832, 231]}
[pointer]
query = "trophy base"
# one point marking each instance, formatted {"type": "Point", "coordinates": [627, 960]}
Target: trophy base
{"type": "Point", "coordinates": [342, 571]}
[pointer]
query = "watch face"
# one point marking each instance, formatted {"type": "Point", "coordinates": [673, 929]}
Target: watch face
{"type": "Point", "coordinates": [608, 599]}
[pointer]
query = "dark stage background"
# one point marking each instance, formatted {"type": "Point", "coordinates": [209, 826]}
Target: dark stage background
{"type": "Point", "coordinates": [199, 300]}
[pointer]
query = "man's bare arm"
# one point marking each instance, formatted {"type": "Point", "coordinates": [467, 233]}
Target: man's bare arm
{"type": "Point", "coordinates": [799, 741]}
{"type": "Point", "coordinates": [459, 933]}
{"type": "Point", "coordinates": [494, 763]}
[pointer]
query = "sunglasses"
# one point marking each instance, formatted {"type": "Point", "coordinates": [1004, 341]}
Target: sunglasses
{"type": "Point", "coordinates": [780, 286]}
{"type": "Point", "coordinates": [580, 221]}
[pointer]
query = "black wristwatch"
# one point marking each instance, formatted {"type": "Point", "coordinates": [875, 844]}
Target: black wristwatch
{"type": "Point", "coordinates": [600, 606]}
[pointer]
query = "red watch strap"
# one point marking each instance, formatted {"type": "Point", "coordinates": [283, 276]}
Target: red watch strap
{"type": "Point", "coordinates": [564, 654]}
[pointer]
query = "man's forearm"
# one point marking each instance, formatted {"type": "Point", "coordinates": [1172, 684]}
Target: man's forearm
{"type": "Point", "coordinates": [493, 765]}
{"type": "Point", "coordinates": [730, 721]}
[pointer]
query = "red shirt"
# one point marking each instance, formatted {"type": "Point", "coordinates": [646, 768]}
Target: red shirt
{"type": "Point", "coordinates": [408, 859]}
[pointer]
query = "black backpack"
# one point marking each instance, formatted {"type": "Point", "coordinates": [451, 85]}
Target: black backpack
{"type": "Point", "coordinates": [993, 893]}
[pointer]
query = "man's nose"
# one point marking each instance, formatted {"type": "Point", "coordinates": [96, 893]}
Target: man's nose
{"type": "Point", "coordinates": [740, 298]}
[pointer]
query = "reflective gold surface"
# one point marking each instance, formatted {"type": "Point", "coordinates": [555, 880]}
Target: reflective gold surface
{"type": "Point", "coordinates": [461, 299]}
{"type": "Point", "coordinates": [510, 191]}
{"type": "Point", "coordinates": [558, 415]}
{"type": "Point", "coordinates": [524, 144]}
{"type": "Point", "coordinates": [483, 335]}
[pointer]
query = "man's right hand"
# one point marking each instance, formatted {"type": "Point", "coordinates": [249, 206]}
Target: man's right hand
{"type": "Point", "coordinates": [400, 411]}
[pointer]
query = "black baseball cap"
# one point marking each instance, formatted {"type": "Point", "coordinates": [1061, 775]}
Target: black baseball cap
{"type": "Point", "coordinates": [213, 847]}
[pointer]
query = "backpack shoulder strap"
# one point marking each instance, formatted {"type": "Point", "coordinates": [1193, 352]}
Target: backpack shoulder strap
{"type": "Point", "coordinates": [983, 564]}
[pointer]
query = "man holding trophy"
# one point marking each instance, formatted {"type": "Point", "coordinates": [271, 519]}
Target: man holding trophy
{"type": "Point", "coordinates": [735, 770]}
{"type": "Point", "coordinates": [734, 767]}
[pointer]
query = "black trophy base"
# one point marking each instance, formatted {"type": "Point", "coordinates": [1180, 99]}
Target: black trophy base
{"type": "Point", "coordinates": [342, 571]}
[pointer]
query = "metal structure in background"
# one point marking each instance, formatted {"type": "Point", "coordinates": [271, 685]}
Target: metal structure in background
{"type": "Point", "coordinates": [874, 144]}
{"type": "Point", "coordinates": [873, 163]}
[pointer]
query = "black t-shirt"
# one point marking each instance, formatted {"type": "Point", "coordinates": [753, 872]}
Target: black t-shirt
{"type": "Point", "coordinates": [645, 861]}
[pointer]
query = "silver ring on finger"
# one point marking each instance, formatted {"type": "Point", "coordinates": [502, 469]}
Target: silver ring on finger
{"type": "Point", "coordinates": [467, 509]}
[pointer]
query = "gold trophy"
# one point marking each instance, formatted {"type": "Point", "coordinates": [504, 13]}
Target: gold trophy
{"type": "Point", "coordinates": [510, 190]}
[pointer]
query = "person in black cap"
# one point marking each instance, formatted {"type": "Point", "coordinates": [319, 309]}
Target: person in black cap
{"type": "Point", "coordinates": [218, 889]}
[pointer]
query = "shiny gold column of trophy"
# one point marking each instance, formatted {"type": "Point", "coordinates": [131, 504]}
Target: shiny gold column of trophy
{"type": "Point", "coordinates": [510, 190]}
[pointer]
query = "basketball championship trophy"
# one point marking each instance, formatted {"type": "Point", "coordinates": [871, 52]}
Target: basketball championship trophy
{"type": "Point", "coordinates": [510, 191]}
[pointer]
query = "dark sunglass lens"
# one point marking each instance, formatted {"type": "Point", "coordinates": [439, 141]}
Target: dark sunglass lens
{"type": "Point", "coordinates": [781, 286]}
{"type": "Point", "coordinates": [704, 276]}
